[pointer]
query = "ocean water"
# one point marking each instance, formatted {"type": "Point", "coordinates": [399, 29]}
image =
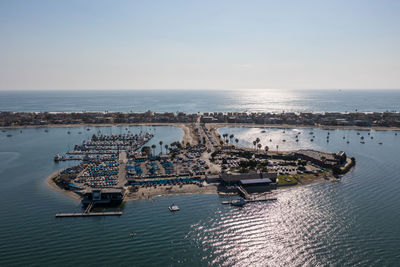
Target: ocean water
{"type": "Point", "coordinates": [351, 222]}
{"type": "Point", "coordinates": [192, 101]}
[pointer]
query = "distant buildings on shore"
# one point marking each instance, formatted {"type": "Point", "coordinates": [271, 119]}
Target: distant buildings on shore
{"type": "Point", "coordinates": [382, 119]}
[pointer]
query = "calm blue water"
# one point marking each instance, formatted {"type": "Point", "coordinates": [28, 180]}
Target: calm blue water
{"type": "Point", "coordinates": [353, 222]}
{"type": "Point", "coordinates": [192, 101]}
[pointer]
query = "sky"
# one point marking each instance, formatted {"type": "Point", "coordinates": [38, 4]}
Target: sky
{"type": "Point", "coordinates": [218, 44]}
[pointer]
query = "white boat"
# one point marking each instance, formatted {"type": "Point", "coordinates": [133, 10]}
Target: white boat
{"type": "Point", "coordinates": [173, 207]}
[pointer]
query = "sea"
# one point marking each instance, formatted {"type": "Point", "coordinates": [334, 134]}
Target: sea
{"type": "Point", "coordinates": [353, 222]}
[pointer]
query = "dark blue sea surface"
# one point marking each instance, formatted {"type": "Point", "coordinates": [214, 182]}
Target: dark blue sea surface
{"type": "Point", "coordinates": [351, 222]}
{"type": "Point", "coordinates": [192, 101]}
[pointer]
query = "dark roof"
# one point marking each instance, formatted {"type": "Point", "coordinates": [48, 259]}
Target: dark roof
{"type": "Point", "coordinates": [256, 181]}
{"type": "Point", "coordinates": [105, 190]}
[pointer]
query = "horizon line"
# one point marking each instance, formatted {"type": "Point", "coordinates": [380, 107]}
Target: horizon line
{"type": "Point", "coordinates": [192, 89]}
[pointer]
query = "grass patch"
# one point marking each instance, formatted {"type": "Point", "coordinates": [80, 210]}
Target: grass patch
{"type": "Point", "coordinates": [286, 180]}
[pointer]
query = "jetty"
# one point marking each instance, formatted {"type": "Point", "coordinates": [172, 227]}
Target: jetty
{"type": "Point", "coordinates": [89, 214]}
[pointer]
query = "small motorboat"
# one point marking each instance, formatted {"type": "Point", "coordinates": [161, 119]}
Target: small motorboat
{"type": "Point", "coordinates": [9, 135]}
{"type": "Point", "coordinates": [380, 143]}
{"type": "Point", "coordinates": [225, 202]}
{"type": "Point", "coordinates": [238, 203]}
{"type": "Point", "coordinates": [132, 234]}
{"type": "Point", "coordinates": [68, 132]}
{"type": "Point", "coordinates": [173, 207]}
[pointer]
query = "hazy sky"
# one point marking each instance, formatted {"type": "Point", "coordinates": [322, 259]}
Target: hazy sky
{"type": "Point", "coordinates": [199, 44]}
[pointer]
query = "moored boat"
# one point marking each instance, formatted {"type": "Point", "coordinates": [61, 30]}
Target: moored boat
{"type": "Point", "coordinates": [238, 203]}
{"type": "Point", "coordinates": [173, 207]}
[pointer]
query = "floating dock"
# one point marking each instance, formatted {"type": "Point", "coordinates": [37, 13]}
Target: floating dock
{"type": "Point", "coordinates": [262, 199]}
{"type": "Point", "coordinates": [89, 214]}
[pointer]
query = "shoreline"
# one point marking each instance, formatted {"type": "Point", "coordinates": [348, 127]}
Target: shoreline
{"type": "Point", "coordinates": [290, 126]}
{"type": "Point", "coordinates": [185, 125]}
{"type": "Point", "coordinates": [51, 184]}
{"type": "Point", "coordinates": [150, 193]}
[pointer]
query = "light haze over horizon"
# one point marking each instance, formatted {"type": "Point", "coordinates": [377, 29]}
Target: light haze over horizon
{"type": "Point", "coordinates": [80, 45]}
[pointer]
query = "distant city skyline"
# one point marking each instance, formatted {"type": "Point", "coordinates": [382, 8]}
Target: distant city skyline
{"type": "Point", "coordinates": [83, 45]}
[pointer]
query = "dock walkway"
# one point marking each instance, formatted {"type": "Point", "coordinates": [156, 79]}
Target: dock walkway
{"type": "Point", "coordinates": [89, 214]}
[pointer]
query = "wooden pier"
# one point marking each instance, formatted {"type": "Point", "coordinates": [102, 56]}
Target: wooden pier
{"type": "Point", "coordinates": [89, 214]}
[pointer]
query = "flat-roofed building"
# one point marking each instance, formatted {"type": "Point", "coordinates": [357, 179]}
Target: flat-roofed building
{"type": "Point", "coordinates": [259, 185]}
{"type": "Point", "coordinates": [235, 178]}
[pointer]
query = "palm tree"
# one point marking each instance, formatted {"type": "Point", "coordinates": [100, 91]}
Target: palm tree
{"type": "Point", "coordinates": [161, 142]}
{"type": "Point", "coordinates": [259, 146]}
{"type": "Point", "coordinates": [266, 149]}
{"type": "Point", "coordinates": [236, 140]}
{"type": "Point", "coordinates": [153, 146]}
{"type": "Point", "coordinates": [166, 149]}
{"type": "Point", "coordinates": [254, 144]}
{"type": "Point", "coordinates": [277, 146]}
{"type": "Point", "coordinates": [257, 140]}
{"type": "Point", "coordinates": [231, 136]}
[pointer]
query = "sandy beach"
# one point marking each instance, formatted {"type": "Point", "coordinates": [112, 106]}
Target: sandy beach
{"type": "Point", "coordinates": [149, 193]}
{"type": "Point", "coordinates": [142, 193]}
{"type": "Point", "coordinates": [51, 184]}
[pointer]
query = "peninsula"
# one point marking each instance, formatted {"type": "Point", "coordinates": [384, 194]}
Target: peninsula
{"type": "Point", "coordinates": [113, 168]}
